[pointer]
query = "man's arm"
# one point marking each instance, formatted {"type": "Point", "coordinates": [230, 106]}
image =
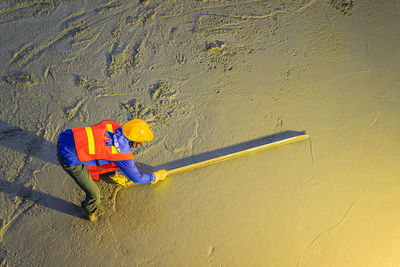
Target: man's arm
{"type": "Point", "coordinates": [130, 170]}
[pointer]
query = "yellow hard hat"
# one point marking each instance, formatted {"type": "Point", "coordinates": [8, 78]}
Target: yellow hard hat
{"type": "Point", "coordinates": [137, 130]}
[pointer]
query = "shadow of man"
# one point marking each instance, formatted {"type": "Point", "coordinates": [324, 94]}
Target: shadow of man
{"type": "Point", "coordinates": [40, 198]}
{"type": "Point", "coordinates": [26, 142]}
{"type": "Point", "coordinates": [34, 145]}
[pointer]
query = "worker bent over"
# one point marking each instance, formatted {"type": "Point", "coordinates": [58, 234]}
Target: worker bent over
{"type": "Point", "coordinates": [86, 152]}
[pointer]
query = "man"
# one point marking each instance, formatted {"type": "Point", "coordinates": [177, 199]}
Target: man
{"type": "Point", "coordinates": [86, 152]}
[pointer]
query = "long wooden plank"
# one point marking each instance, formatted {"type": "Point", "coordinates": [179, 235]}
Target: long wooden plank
{"type": "Point", "coordinates": [125, 182]}
{"type": "Point", "coordinates": [237, 154]}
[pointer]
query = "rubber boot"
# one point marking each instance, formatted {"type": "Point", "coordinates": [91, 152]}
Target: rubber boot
{"type": "Point", "coordinates": [90, 216]}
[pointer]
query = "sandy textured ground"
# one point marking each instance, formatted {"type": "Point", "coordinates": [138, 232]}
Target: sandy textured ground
{"type": "Point", "coordinates": [206, 75]}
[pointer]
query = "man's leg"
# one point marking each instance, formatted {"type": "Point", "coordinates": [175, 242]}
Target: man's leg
{"type": "Point", "coordinates": [81, 176]}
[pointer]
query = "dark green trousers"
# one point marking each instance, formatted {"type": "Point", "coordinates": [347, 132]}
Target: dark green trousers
{"type": "Point", "coordinates": [81, 176]}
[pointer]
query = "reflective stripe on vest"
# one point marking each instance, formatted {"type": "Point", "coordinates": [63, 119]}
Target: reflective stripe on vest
{"type": "Point", "coordinates": [90, 138]}
{"type": "Point", "coordinates": [110, 129]}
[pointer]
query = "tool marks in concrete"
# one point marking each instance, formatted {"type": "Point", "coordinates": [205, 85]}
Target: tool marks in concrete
{"type": "Point", "coordinates": [72, 111]}
{"type": "Point", "coordinates": [19, 10]}
{"type": "Point", "coordinates": [343, 6]}
{"type": "Point", "coordinates": [122, 58]}
{"type": "Point", "coordinates": [163, 104]}
{"type": "Point", "coordinates": [24, 79]}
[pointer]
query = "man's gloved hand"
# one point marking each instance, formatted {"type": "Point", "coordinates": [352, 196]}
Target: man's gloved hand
{"type": "Point", "coordinates": [119, 179]}
{"type": "Point", "coordinates": [119, 141]}
{"type": "Point", "coordinates": [160, 175]}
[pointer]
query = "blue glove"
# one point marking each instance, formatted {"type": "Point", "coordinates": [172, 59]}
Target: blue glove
{"type": "Point", "coordinates": [119, 141]}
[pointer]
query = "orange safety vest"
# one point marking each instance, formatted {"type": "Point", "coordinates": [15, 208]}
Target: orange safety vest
{"type": "Point", "coordinates": [90, 144]}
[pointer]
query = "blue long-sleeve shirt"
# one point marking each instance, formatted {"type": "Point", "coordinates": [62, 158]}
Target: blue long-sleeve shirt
{"type": "Point", "coordinates": [66, 148]}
